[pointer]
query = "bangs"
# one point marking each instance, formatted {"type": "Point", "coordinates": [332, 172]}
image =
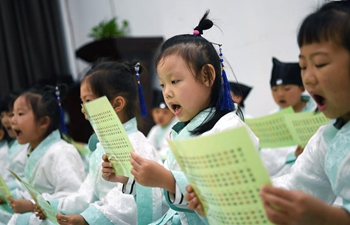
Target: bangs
{"type": "Point", "coordinates": [325, 26]}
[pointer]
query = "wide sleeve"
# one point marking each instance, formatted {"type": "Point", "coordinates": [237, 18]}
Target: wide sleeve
{"type": "Point", "coordinates": [64, 170]}
{"type": "Point", "coordinates": [76, 202]}
{"type": "Point", "coordinates": [308, 172]}
{"type": "Point", "coordinates": [115, 208]}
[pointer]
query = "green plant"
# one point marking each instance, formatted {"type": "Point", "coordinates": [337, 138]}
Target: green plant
{"type": "Point", "coordinates": [109, 29]}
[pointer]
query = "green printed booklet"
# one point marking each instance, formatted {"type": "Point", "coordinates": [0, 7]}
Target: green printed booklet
{"type": "Point", "coordinates": [111, 134]}
{"type": "Point", "coordinates": [226, 177]}
{"type": "Point", "coordinates": [4, 190]}
{"type": "Point", "coordinates": [286, 128]}
{"type": "Point", "coordinates": [49, 212]}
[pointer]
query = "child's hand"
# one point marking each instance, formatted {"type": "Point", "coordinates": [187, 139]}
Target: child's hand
{"type": "Point", "coordinates": [293, 207]}
{"type": "Point", "coordinates": [193, 201]}
{"type": "Point", "coordinates": [298, 151]}
{"type": "Point", "coordinates": [70, 219]}
{"type": "Point", "coordinates": [108, 172]}
{"type": "Point", "coordinates": [150, 173]}
{"type": "Point", "coordinates": [21, 205]}
{"type": "Point", "coordinates": [39, 212]}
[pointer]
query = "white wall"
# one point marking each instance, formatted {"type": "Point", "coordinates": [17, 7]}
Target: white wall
{"type": "Point", "coordinates": [251, 31]}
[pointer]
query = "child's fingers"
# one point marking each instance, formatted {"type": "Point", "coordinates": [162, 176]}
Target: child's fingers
{"type": "Point", "coordinates": [189, 188]}
{"type": "Point", "coordinates": [107, 165]}
{"type": "Point", "coordinates": [105, 158]}
{"type": "Point", "coordinates": [199, 210]}
{"type": "Point", "coordinates": [136, 159]}
{"type": "Point", "coordinates": [274, 216]}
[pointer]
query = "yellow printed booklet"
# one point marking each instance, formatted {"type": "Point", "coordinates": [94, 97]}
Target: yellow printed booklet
{"type": "Point", "coordinates": [227, 174]}
{"type": "Point", "coordinates": [49, 212]}
{"type": "Point", "coordinates": [4, 190]}
{"type": "Point", "coordinates": [111, 134]}
{"type": "Point", "coordinates": [286, 128]}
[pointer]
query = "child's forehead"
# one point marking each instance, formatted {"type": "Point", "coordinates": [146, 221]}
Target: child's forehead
{"type": "Point", "coordinates": [22, 102]}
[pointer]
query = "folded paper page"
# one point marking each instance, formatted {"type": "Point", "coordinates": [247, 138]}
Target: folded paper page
{"type": "Point", "coordinates": [272, 130]}
{"type": "Point", "coordinates": [227, 177]}
{"type": "Point", "coordinates": [47, 209]}
{"type": "Point", "coordinates": [4, 190]}
{"type": "Point", "coordinates": [304, 125]}
{"type": "Point", "coordinates": [111, 134]}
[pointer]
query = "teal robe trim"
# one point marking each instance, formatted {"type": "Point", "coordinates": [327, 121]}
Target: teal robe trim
{"type": "Point", "coordinates": [23, 219]}
{"type": "Point", "coordinates": [144, 197]}
{"type": "Point", "coordinates": [94, 216]}
{"type": "Point", "coordinates": [39, 151]}
{"type": "Point", "coordinates": [93, 140]}
{"type": "Point", "coordinates": [183, 131]}
{"type": "Point", "coordinates": [144, 204]}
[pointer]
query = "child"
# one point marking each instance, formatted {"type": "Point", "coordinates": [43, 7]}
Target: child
{"type": "Point", "coordinates": [117, 82]}
{"type": "Point", "coordinates": [54, 167]}
{"type": "Point", "coordinates": [322, 172]}
{"type": "Point", "coordinates": [239, 93]}
{"type": "Point", "coordinates": [3, 151]}
{"type": "Point", "coordinates": [189, 72]}
{"type": "Point", "coordinates": [287, 90]}
{"type": "Point", "coordinates": [16, 155]}
{"type": "Point", "coordinates": [164, 120]}
{"type": "Point", "coordinates": [287, 87]}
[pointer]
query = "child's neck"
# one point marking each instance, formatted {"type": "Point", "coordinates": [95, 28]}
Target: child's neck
{"type": "Point", "coordinates": [299, 107]}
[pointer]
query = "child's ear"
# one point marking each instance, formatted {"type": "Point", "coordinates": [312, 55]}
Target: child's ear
{"type": "Point", "coordinates": [118, 103]}
{"type": "Point", "coordinates": [45, 122]}
{"type": "Point", "coordinates": [208, 75]}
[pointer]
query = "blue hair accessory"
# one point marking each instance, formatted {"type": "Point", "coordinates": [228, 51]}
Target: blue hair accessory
{"type": "Point", "coordinates": [63, 124]}
{"type": "Point", "coordinates": [225, 100]}
{"type": "Point", "coordinates": [141, 98]}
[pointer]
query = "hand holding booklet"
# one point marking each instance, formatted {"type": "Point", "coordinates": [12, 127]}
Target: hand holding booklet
{"type": "Point", "coordinates": [226, 173]}
{"type": "Point", "coordinates": [49, 212]}
{"type": "Point", "coordinates": [110, 133]}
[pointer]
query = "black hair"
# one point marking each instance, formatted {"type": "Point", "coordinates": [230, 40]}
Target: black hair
{"type": "Point", "coordinates": [112, 79]}
{"type": "Point", "coordinates": [43, 101]}
{"type": "Point", "coordinates": [329, 23]}
{"type": "Point", "coordinates": [198, 52]}
{"type": "Point", "coordinates": [6, 103]}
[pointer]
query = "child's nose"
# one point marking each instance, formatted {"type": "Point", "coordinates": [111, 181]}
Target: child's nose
{"type": "Point", "coordinates": [308, 77]}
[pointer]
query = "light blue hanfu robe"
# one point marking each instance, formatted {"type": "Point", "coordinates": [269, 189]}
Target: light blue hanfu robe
{"type": "Point", "coordinates": [16, 161]}
{"type": "Point", "coordinates": [179, 213]}
{"type": "Point", "coordinates": [119, 208]}
{"type": "Point", "coordinates": [278, 161]}
{"type": "Point", "coordinates": [55, 169]}
{"type": "Point", "coordinates": [323, 170]}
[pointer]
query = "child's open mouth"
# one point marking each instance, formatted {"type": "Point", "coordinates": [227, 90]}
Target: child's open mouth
{"type": "Point", "coordinates": [18, 132]}
{"type": "Point", "coordinates": [321, 102]}
{"type": "Point", "coordinates": [176, 108]}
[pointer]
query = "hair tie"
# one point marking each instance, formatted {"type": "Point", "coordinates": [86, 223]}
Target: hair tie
{"type": "Point", "coordinates": [196, 33]}
{"type": "Point", "coordinates": [63, 124]}
{"type": "Point", "coordinates": [141, 98]}
{"type": "Point", "coordinates": [225, 99]}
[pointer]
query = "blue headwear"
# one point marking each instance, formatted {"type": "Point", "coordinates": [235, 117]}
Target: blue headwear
{"type": "Point", "coordinates": [63, 124]}
{"type": "Point", "coordinates": [141, 98]}
{"type": "Point", "coordinates": [225, 101]}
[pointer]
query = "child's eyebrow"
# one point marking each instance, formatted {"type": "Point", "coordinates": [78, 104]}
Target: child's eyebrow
{"type": "Point", "coordinates": [314, 54]}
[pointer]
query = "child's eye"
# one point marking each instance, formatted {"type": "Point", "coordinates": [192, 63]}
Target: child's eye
{"type": "Point", "coordinates": [320, 65]}
{"type": "Point", "coordinates": [174, 81]}
{"type": "Point", "coordinates": [161, 85]}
